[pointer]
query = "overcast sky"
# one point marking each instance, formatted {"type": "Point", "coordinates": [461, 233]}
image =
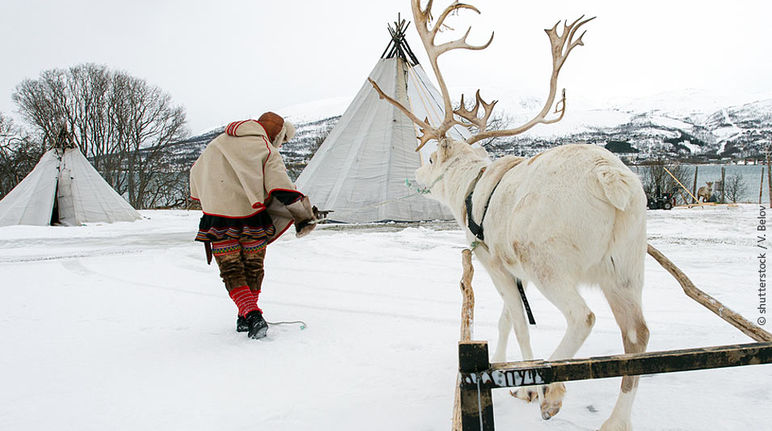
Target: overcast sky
{"type": "Point", "coordinates": [233, 59]}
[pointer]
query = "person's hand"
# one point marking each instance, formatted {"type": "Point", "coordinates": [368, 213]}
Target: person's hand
{"type": "Point", "coordinates": [304, 216]}
{"type": "Point", "coordinates": [304, 228]}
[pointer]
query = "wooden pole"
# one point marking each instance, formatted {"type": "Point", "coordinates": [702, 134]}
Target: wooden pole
{"type": "Point", "coordinates": [680, 184]}
{"type": "Point", "coordinates": [467, 319]}
{"type": "Point", "coordinates": [723, 184]}
{"type": "Point", "coordinates": [694, 187]}
{"type": "Point", "coordinates": [528, 373]}
{"type": "Point", "coordinates": [735, 319]}
{"type": "Point", "coordinates": [761, 186]}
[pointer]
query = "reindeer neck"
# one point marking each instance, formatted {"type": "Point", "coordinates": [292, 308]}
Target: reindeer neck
{"type": "Point", "coordinates": [459, 181]}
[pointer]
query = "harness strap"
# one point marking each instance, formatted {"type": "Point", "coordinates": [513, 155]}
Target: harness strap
{"type": "Point", "coordinates": [527, 306]}
{"type": "Point", "coordinates": [475, 228]}
{"type": "Point", "coordinates": [478, 232]}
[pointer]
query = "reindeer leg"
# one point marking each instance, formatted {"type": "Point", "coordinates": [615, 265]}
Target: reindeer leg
{"type": "Point", "coordinates": [580, 320]}
{"type": "Point", "coordinates": [505, 327]}
{"type": "Point", "coordinates": [625, 302]}
{"type": "Point", "coordinates": [512, 316]}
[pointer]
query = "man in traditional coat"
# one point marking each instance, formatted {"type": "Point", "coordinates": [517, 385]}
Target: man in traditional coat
{"type": "Point", "coordinates": [248, 202]}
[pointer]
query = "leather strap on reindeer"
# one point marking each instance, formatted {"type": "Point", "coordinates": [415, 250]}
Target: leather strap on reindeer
{"type": "Point", "coordinates": [479, 233]}
{"type": "Point", "coordinates": [476, 229]}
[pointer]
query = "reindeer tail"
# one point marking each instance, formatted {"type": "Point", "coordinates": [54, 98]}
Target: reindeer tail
{"type": "Point", "coordinates": [617, 184]}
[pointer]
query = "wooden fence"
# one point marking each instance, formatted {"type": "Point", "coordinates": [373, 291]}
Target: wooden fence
{"type": "Point", "coordinates": [477, 376]}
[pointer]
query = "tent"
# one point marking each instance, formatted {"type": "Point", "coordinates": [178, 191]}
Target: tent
{"type": "Point", "coordinates": [361, 170]}
{"type": "Point", "coordinates": [64, 188]}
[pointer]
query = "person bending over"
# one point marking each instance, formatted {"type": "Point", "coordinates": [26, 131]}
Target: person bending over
{"type": "Point", "coordinates": [248, 201]}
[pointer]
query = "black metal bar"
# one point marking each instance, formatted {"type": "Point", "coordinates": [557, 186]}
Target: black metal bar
{"type": "Point", "coordinates": [476, 402]}
{"type": "Point", "coordinates": [515, 374]}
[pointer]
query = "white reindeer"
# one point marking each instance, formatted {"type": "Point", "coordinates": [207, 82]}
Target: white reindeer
{"type": "Point", "coordinates": [570, 215]}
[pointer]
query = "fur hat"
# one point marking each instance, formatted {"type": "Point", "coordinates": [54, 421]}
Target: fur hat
{"type": "Point", "coordinates": [286, 133]}
{"type": "Point", "coordinates": [279, 131]}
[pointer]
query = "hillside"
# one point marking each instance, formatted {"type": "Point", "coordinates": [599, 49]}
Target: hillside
{"type": "Point", "coordinates": [637, 134]}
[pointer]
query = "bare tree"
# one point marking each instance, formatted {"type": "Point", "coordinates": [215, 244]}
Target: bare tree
{"type": "Point", "coordinates": [734, 187]}
{"type": "Point", "coordinates": [656, 180]}
{"type": "Point", "coordinates": [121, 123]}
{"type": "Point", "coordinates": [18, 155]}
{"type": "Point", "coordinates": [147, 124]}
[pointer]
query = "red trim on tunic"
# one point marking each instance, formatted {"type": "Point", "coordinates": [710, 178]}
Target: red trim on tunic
{"type": "Point", "coordinates": [195, 199]}
{"type": "Point", "coordinates": [267, 145]}
{"type": "Point", "coordinates": [282, 232]}
{"type": "Point", "coordinates": [300, 195]}
{"type": "Point", "coordinates": [235, 217]}
{"type": "Point", "coordinates": [261, 125]}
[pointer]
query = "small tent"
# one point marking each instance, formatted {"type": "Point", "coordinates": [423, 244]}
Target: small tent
{"type": "Point", "coordinates": [361, 170]}
{"type": "Point", "coordinates": [64, 188]}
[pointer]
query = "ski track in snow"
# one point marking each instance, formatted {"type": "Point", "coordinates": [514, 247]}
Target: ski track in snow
{"type": "Point", "coordinates": [125, 327]}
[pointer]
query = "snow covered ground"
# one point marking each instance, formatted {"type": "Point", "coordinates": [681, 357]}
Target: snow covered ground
{"type": "Point", "coordinates": [125, 327]}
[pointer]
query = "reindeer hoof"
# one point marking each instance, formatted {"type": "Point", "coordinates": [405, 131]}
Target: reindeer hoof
{"type": "Point", "coordinates": [550, 410]}
{"type": "Point", "coordinates": [527, 394]}
{"type": "Point", "coordinates": [553, 400]}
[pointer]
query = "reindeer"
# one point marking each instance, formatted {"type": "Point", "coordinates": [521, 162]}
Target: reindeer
{"type": "Point", "coordinates": [571, 215]}
{"type": "Point", "coordinates": [705, 192]}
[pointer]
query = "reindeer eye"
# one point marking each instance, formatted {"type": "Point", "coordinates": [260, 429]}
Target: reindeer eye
{"type": "Point", "coordinates": [431, 159]}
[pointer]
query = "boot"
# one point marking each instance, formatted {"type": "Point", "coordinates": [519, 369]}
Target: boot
{"type": "Point", "coordinates": [241, 324]}
{"type": "Point", "coordinates": [258, 328]}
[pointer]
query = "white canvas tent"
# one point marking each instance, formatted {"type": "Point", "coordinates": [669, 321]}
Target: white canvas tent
{"type": "Point", "coordinates": [360, 170]}
{"type": "Point", "coordinates": [65, 189]}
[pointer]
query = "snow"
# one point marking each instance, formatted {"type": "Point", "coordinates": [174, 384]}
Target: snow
{"type": "Point", "coordinates": [125, 327]}
{"type": "Point", "coordinates": [664, 121]}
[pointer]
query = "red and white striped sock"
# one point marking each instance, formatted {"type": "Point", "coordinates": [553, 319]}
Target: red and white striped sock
{"type": "Point", "coordinates": [244, 300]}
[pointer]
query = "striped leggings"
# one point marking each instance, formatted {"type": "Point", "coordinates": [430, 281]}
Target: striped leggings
{"type": "Point", "coordinates": [240, 262]}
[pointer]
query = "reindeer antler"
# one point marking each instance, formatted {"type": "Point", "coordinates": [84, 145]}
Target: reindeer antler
{"type": "Point", "coordinates": [428, 34]}
{"type": "Point", "coordinates": [562, 45]}
{"type": "Point", "coordinates": [471, 116]}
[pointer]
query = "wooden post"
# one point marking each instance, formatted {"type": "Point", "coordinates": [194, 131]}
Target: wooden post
{"type": "Point", "coordinates": [761, 186]}
{"type": "Point", "coordinates": [467, 319]}
{"type": "Point", "coordinates": [723, 184]}
{"type": "Point", "coordinates": [694, 187]}
{"type": "Point", "coordinates": [467, 311]}
{"type": "Point", "coordinates": [708, 301]}
{"type": "Point", "coordinates": [476, 401]}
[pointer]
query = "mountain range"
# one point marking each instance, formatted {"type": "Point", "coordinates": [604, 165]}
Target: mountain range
{"type": "Point", "coordinates": [703, 131]}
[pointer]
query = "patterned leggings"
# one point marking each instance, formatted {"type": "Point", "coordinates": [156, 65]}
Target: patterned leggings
{"type": "Point", "coordinates": [240, 262]}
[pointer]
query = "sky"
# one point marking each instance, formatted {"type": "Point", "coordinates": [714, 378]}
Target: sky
{"type": "Point", "coordinates": [234, 59]}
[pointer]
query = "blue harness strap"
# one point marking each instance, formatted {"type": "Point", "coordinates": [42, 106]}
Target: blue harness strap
{"type": "Point", "coordinates": [479, 233]}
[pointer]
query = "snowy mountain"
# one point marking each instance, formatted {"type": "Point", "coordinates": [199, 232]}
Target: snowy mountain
{"type": "Point", "coordinates": [672, 127]}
